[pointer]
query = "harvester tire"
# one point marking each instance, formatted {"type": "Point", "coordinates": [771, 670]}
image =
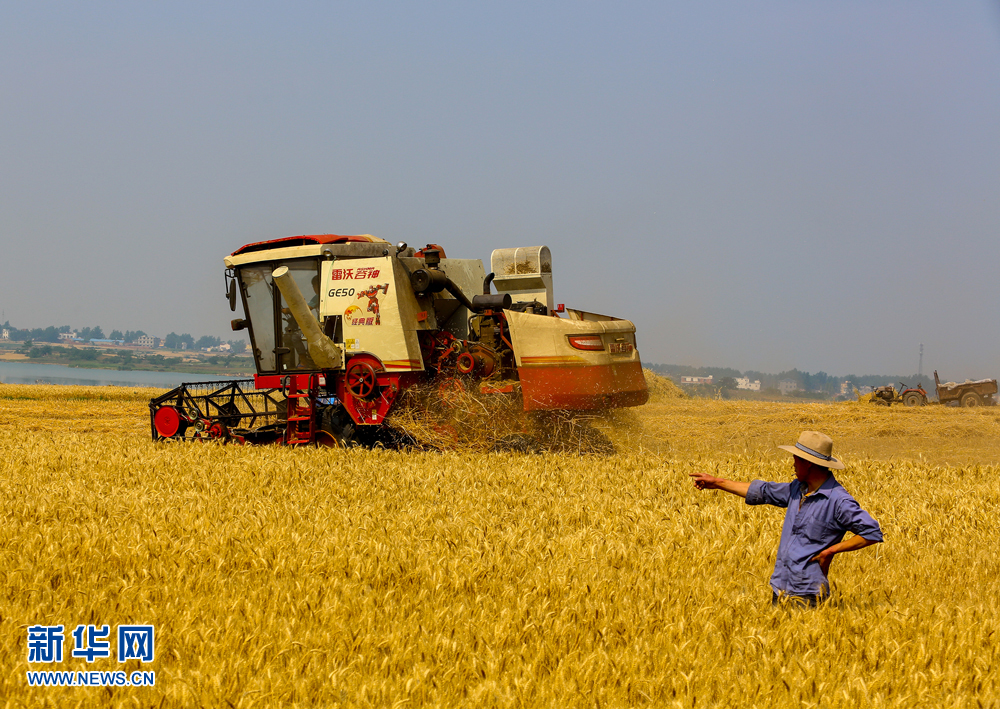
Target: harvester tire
{"type": "Point", "coordinates": [971, 399]}
{"type": "Point", "coordinates": [336, 427]}
{"type": "Point", "coordinates": [913, 399]}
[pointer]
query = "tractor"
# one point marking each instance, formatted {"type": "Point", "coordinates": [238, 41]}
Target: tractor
{"type": "Point", "coordinates": [341, 327]}
{"type": "Point", "coordinates": [908, 396]}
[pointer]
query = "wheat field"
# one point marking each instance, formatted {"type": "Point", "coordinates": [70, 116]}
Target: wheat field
{"type": "Point", "coordinates": [319, 577]}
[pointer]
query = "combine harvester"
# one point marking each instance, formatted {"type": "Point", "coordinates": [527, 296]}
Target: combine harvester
{"type": "Point", "coordinates": [341, 326]}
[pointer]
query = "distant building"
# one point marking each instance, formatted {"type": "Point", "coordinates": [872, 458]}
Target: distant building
{"type": "Point", "coordinates": [67, 336]}
{"type": "Point", "coordinates": [745, 383]}
{"type": "Point", "coordinates": [696, 380]}
{"type": "Point", "coordinates": [107, 342]}
{"type": "Point", "coordinates": [845, 388]}
{"type": "Point", "coordinates": [4, 334]}
{"type": "Point", "coordinates": [225, 347]}
{"type": "Point", "coordinates": [787, 387]}
{"type": "Point", "coordinates": [147, 341]}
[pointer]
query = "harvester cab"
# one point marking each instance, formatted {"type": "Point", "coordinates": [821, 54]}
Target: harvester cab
{"type": "Point", "coordinates": [340, 326]}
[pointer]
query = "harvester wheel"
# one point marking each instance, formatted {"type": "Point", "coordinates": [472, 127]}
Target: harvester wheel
{"type": "Point", "coordinates": [912, 399]}
{"type": "Point", "coordinates": [336, 428]}
{"type": "Point", "coordinates": [970, 399]}
{"type": "Point", "coordinates": [361, 379]}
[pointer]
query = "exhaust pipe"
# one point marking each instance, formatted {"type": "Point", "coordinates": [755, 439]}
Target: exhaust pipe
{"type": "Point", "coordinates": [324, 353]}
{"type": "Point", "coordinates": [433, 280]}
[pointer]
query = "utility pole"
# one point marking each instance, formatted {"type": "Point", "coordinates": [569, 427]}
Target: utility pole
{"type": "Point", "coordinates": [920, 367]}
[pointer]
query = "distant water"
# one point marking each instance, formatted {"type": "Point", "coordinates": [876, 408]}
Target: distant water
{"type": "Point", "coordinates": [30, 373]}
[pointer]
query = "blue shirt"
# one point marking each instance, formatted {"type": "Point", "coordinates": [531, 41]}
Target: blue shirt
{"type": "Point", "coordinates": [811, 525]}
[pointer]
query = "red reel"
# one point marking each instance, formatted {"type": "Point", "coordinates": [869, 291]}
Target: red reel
{"type": "Point", "coordinates": [167, 421]}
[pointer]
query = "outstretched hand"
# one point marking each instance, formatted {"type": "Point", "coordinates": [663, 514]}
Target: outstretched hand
{"type": "Point", "coordinates": [704, 481]}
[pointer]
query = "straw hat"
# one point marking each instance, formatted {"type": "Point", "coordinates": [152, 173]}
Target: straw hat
{"type": "Point", "coordinates": [816, 448]}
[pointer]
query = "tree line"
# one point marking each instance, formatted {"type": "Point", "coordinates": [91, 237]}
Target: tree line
{"type": "Point", "coordinates": [819, 382]}
{"type": "Point", "coordinates": [171, 341]}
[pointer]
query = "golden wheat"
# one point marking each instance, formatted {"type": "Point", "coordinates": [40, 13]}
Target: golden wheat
{"type": "Point", "coordinates": [318, 577]}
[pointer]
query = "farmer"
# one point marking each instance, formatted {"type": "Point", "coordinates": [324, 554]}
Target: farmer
{"type": "Point", "coordinates": [819, 512]}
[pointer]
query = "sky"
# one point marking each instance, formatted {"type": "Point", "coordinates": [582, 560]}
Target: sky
{"type": "Point", "coordinates": [759, 185]}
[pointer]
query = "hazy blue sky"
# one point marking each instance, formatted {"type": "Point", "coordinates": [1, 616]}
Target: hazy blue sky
{"type": "Point", "coordinates": [762, 185]}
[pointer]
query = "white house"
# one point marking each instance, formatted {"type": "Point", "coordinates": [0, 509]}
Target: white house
{"type": "Point", "coordinates": [745, 383]}
{"type": "Point", "coordinates": [4, 334]}
{"type": "Point", "coordinates": [67, 335]}
{"type": "Point", "coordinates": [696, 380]}
{"type": "Point", "coordinates": [146, 341]}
